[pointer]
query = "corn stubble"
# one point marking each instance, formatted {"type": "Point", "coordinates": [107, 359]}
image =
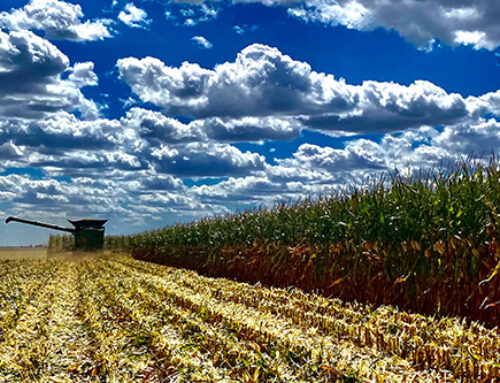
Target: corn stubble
{"type": "Point", "coordinates": [115, 319]}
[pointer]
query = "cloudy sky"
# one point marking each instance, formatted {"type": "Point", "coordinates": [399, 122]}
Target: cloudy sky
{"type": "Point", "coordinates": [150, 112]}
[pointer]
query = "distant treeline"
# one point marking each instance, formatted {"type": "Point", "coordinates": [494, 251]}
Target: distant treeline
{"type": "Point", "coordinates": [428, 243]}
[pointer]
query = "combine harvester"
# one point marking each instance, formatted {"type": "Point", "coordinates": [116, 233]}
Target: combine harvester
{"type": "Point", "coordinates": [88, 233]}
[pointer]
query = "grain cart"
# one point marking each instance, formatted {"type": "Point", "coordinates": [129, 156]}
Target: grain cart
{"type": "Point", "coordinates": [88, 233]}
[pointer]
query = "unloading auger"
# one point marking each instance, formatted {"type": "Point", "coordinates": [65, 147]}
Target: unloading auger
{"type": "Point", "coordinates": [88, 233]}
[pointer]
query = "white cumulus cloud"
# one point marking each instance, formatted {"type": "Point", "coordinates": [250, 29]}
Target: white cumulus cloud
{"type": "Point", "coordinates": [202, 42]}
{"type": "Point", "coordinates": [263, 82]}
{"type": "Point", "coordinates": [134, 17]}
{"type": "Point", "coordinates": [59, 19]}
{"type": "Point", "coordinates": [206, 160]}
{"type": "Point", "coordinates": [30, 74]}
{"type": "Point", "coordinates": [469, 22]}
{"type": "Point", "coordinates": [82, 74]}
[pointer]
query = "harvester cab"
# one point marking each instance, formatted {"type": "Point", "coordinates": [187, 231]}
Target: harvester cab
{"type": "Point", "coordinates": [88, 233]}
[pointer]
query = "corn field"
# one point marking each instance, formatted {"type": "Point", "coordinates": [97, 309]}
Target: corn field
{"type": "Point", "coordinates": [60, 243]}
{"type": "Point", "coordinates": [110, 318]}
{"type": "Point", "coordinates": [428, 244]}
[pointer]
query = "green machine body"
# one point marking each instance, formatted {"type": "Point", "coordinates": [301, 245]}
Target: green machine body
{"type": "Point", "coordinates": [89, 234]}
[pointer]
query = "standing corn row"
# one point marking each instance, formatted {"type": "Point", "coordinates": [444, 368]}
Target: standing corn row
{"type": "Point", "coordinates": [429, 244]}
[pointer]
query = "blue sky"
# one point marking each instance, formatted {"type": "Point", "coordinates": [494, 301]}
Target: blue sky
{"type": "Point", "coordinates": [153, 112]}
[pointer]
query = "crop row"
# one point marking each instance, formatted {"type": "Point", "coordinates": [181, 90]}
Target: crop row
{"type": "Point", "coordinates": [112, 318]}
{"type": "Point", "coordinates": [430, 244]}
{"type": "Point", "coordinates": [41, 337]}
{"type": "Point", "coordinates": [424, 342]}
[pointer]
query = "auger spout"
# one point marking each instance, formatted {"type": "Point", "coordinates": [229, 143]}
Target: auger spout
{"type": "Point", "coordinates": [42, 224]}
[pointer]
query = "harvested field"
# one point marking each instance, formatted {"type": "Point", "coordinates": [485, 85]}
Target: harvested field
{"type": "Point", "coordinates": [19, 253]}
{"type": "Point", "coordinates": [112, 318]}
